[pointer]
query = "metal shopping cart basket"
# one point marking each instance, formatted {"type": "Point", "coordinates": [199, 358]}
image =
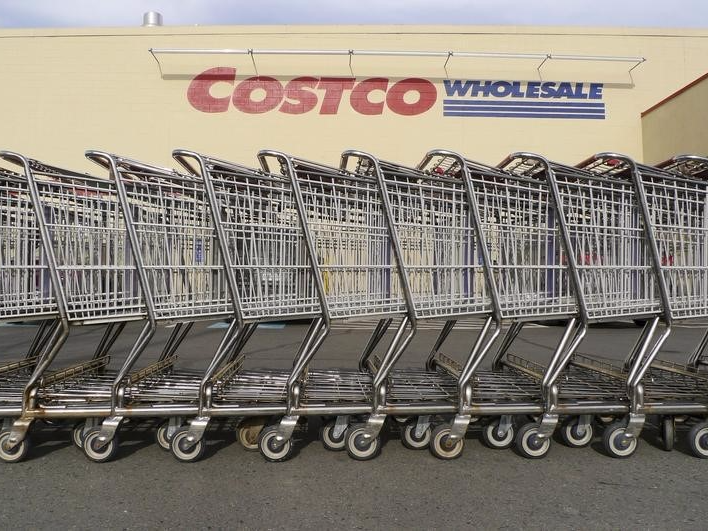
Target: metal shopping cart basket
{"type": "Point", "coordinates": [271, 276]}
{"type": "Point", "coordinates": [73, 236]}
{"type": "Point", "coordinates": [676, 195]}
{"type": "Point", "coordinates": [182, 276]}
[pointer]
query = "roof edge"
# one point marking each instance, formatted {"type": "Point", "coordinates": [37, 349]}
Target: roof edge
{"type": "Point", "coordinates": [674, 94]}
{"type": "Point", "coordinates": [353, 29]}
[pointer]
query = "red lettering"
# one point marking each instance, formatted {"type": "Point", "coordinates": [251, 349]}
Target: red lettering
{"type": "Point", "coordinates": [300, 94]}
{"type": "Point", "coordinates": [198, 93]}
{"type": "Point", "coordinates": [334, 87]}
{"type": "Point", "coordinates": [360, 96]}
{"type": "Point", "coordinates": [305, 99]}
{"type": "Point", "coordinates": [427, 94]}
{"type": "Point", "coordinates": [242, 95]}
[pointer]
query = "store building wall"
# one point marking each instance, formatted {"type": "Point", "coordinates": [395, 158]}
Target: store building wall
{"type": "Point", "coordinates": [678, 124]}
{"type": "Point", "coordinates": [65, 91]}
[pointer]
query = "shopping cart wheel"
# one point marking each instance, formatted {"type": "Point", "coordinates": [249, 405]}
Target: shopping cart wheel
{"type": "Point", "coordinates": [77, 435]}
{"type": "Point", "coordinates": [184, 450]}
{"type": "Point", "coordinates": [529, 444]}
{"type": "Point", "coordinates": [361, 446]}
{"type": "Point", "coordinates": [617, 443]}
{"type": "Point", "coordinates": [162, 438]}
{"type": "Point", "coordinates": [491, 437]}
{"type": "Point", "coordinates": [668, 433]}
{"type": "Point", "coordinates": [442, 447]}
{"type": "Point", "coordinates": [271, 449]}
{"type": "Point", "coordinates": [570, 433]}
{"type": "Point", "coordinates": [248, 432]}
{"type": "Point", "coordinates": [604, 420]}
{"type": "Point", "coordinates": [411, 440]}
{"type": "Point", "coordinates": [96, 454]}
{"type": "Point", "coordinates": [698, 440]}
{"type": "Point", "coordinates": [329, 441]}
{"type": "Point", "coordinates": [18, 453]}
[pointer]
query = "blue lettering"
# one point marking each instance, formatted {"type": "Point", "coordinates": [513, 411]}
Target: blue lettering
{"type": "Point", "coordinates": [516, 91]}
{"type": "Point", "coordinates": [501, 89]}
{"type": "Point", "coordinates": [595, 92]}
{"type": "Point", "coordinates": [478, 87]}
{"type": "Point", "coordinates": [532, 88]}
{"type": "Point", "coordinates": [548, 90]}
{"type": "Point", "coordinates": [565, 90]}
{"type": "Point", "coordinates": [456, 87]}
{"type": "Point", "coordinates": [578, 93]}
{"type": "Point", "coordinates": [519, 89]}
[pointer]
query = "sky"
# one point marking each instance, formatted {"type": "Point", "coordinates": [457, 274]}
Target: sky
{"type": "Point", "coordinates": [82, 13]}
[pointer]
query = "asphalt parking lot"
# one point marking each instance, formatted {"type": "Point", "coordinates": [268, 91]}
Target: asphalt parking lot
{"type": "Point", "coordinates": [231, 488]}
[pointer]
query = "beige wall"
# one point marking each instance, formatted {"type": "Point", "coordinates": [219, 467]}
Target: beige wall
{"type": "Point", "coordinates": [678, 125]}
{"type": "Point", "coordinates": [65, 91]}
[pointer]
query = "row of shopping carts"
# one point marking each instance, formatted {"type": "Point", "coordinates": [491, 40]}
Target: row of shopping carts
{"type": "Point", "coordinates": [525, 241]}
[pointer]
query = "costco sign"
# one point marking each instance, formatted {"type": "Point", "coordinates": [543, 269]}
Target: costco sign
{"type": "Point", "coordinates": [324, 95]}
{"type": "Point", "coordinates": [468, 98]}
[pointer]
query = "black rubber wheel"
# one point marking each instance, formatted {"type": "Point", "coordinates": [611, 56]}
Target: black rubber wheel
{"type": "Point", "coordinates": [616, 443]}
{"type": "Point", "coordinates": [698, 440]}
{"type": "Point", "coordinates": [668, 433]}
{"type": "Point", "coordinates": [17, 454]}
{"type": "Point", "coordinates": [269, 447]}
{"type": "Point", "coordinates": [184, 450]}
{"type": "Point", "coordinates": [359, 445]}
{"type": "Point", "coordinates": [329, 441]}
{"type": "Point", "coordinates": [442, 447]}
{"type": "Point", "coordinates": [92, 450]}
{"type": "Point", "coordinates": [491, 437]}
{"type": "Point", "coordinates": [570, 433]}
{"type": "Point", "coordinates": [409, 438]}
{"type": "Point", "coordinates": [529, 444]}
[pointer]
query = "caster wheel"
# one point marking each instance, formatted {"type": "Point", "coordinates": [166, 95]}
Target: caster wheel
{"type": "Point", "coordinates": [92, 450]}
{"type": "Point", "coordinates": [668, 433]}
{"type": "Point", "coordinates": [401, 420]}
{"type": "Point", "coordinates": [442, 447]}
{"type": "Point", "coordinates": [359, 445]}
{"type": "Point", "coordinates": [570, 432]}
{"type": "Point", "coordinates": [162, 438]}
{"type": "Point", "coordinates": [77, 435]}
{"type": "Point", "coordinates": [271, 449]}
{"type": "Point", "coordinates": [184, 450]}
{"type": "Point", "coordinates": [616, 443]}
{"type": "Point", "coordinates": [18, 453]}
{"type": "Point", "coordinates": [604, 420]}
{"type": "Point", "coordinates": [248, 432]}
{"type": "Point", "coordinates": [698, 440]}
{"type": "Point", "coordinates": [491, 437]}
{"type": "Point", "coordinates": [530, 444]}
{"type": "Point", "coordinates": [329, 441]}
{"type": "Point", "coordinates": [411, 441]}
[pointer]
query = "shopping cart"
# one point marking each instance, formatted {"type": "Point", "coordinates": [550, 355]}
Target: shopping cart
{"type": "Point", "coordinates": [348, 236]}
{"type": "Point", "coordinates": [25, 295]}
{"type": "Point", "coordinates": [520, 252]}
{"type": "Point", "coordinates": [436, 230]}
{"type": "Point", "coordinates": [612, 256]}
{"type": "Point", "coordinates": [676, 195]}
{"type": "Point", "coordinates": [181, 274]}
{"type": "Point", "coordinates": [270, 275]}
{"type": "Point", "coordinates": [70, 242]}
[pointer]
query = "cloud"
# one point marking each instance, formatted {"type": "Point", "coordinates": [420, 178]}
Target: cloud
{"type": "Point", "coordinates": [79, 13]}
